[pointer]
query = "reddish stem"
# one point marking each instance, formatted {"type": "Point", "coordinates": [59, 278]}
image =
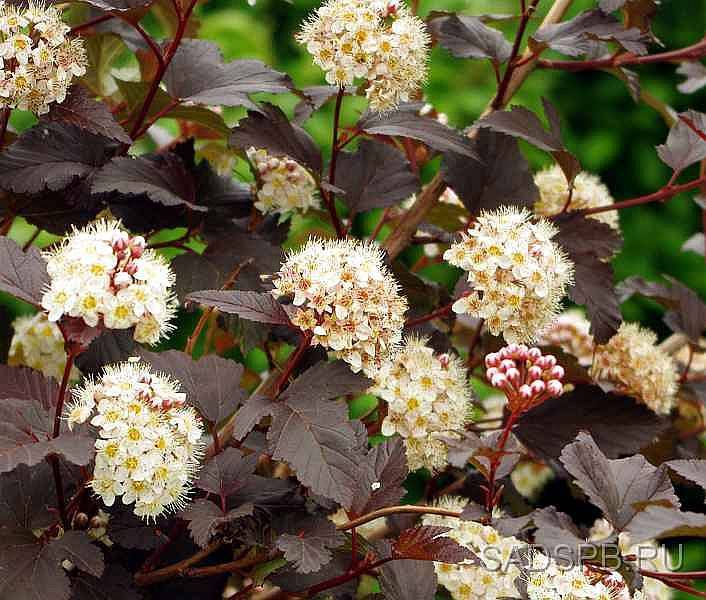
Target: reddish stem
{"type": "Point", "coordinates": [491, 498]}
{"type": "Point", "coordinates": [4, 120]}
{"type": "Point", "coordinates": [92, 23]}
{"type": "Point", "coordinates": [70, 355]}
{"type": "Point", "coordinates": [292, 363]}
{"type": "Point", "coordinates": [439, 312]}
{"type": "Point", "coordinates": [329, 196]}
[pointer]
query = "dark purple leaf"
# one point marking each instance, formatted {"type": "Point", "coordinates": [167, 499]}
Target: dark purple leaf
{"type": "Point", "coordinates": [226, 471]}
{"type": "Point", "coordinates": [51, 156]}
{"type": "Point", "coordinates": [253, 410]}
{"type": "Point", "coordinates": [111, 346]}
{"type": "Point", "coordinates": [693, 470]}
{"type": "Point", "coordinates": [502, 177]}
{"type": "Point", "coordinates": [374, 176]}
{"type": "Point", "coordinates": [695, 73]}
{"type": "Point", "coordinates": [116, 582]}
{"type": "Point", "coordinates": [81, 110]}
{"type": "Point", "coordinates": [22, 274]}
{"type": "Point", "coordinates": [428, 542]}
{"type": "Point", "coordinates": [616, 486]}
{"type": "Point", "coordinates": [212, 383]}
{"type": "Point", "coordinates": [269, 128]}
{"type": "Point", "coordinates": [684, 146]}
{"type": "Point", "coordinates": [289, 580]}
{"type": "Point", "coordinates": [25, 498]}
{"type": "Point", "coordinates": [557, 533]}
{"type": "Point", "coordinates": [408, 579]}
{"type": "Point", "coordinates": [76, 546]}
{"type": "Point", "coordinates": [314, 98]}
{"type": "Point", "coordinates": [253, 306]}
{"type": "Point", "coordinates": [198, 74]}
{"type": "Point", "coordinates": [119, 5]}
{"type": "Point", "coordinates": [469, 37]}
{"type": "Point", "coordinates": [128, 531]}
{"type": "Point", "coordinates": [312, 433]}
{"type": "Point", "coordinates": [582, 34]}
{"type": "Point", "coordinates": [23, 383]}
{"type": "Point", "coordinates": [205, 518]}
{"type": "Point", "coordinates": [618, 424]}
{"type": "Point", "coordinates": [162, 178]}
{"type": "Point", "coordinates": [409, 124]}
{"type": "Point", "coordinates": [310, 549]}
{"type": "Point", "coordinates": [382, 473]}
{"type": "Point", "coordinates": [663, 522]}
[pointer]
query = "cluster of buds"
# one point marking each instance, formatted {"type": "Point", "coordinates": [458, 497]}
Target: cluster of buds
{"type": "Point", "coordinates": [571, 333]}
{"type": "Point", "coordinates": [105, 277]}
{"type": "Point", "coordinates": [38, 61]}
{"type": "Point", "coordinates": [376, 40]}
{"type": "Point", "coordinates": [283, 185]}
{"type": "Point", "coordinates": [525, 375]}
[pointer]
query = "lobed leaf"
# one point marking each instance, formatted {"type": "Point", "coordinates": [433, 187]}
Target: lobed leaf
{"type": "Point", "coordinates": [310, 549]}
{"type": "Point", "coordinates": [260, 307]}
{"type": "Point", "coordinates": [469, 37]}
{"type": "Point", "coordinates": [22, 274]}
{"type": "Point", "coordinates": [684, 146]}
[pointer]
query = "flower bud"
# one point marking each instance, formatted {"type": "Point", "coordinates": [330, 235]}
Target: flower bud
{"type": "Point", "coordinates": [554, 387]}
{"type": "Point", "coordinates": [534, 372]}
{"type": "Point", "coordinates": [557, 372]}
{"type": "Point", "coordinates": [538, 387]}
{"type": "Point", "coordinates": [525, 392]}
{"type": "Point", "coordinates": [533, 354]}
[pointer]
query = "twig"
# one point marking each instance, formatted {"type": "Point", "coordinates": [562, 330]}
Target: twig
{"type": "Point", "coordinates": [398, 510]}
{"type": "Point", "coordinates": [229, 567]}
{"type": "Point", "coordinates": [292, 363]}
{"type": "Point", "coordinates": [439, 312]}
{"type": "Point", "coordinates": [143, 579]}
{"type": "Point", "coordinates": [92, 23]}
{"type": "Point", "coordinates": [328, 195]}
{"type": "Point", "coordinates": [4, 120]}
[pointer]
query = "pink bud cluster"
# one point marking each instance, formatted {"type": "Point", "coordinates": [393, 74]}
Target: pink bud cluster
{"type": "Point", "coordinates": [527, 376]}
{"type": "Point", "coordinates": [126, 249]}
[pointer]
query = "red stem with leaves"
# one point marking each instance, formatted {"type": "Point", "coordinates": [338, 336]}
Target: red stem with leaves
{"type": "Point", "coordinates": [328, 195]}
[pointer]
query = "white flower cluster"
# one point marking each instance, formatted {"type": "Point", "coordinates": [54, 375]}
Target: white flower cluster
{"type": "Point", "coordinates": [589, 192]}
{"type": "Point", "coordinates": [102, 275]}
{"type": "Point", "coordinates": [633, 363]}
{"type": "Point", "coordinates": [37, 343]}
{"type": "Point", "coordinates": [346, 297]}
{"type": "Point", "coordinates": [149, 443]}
{"type": "Point", "coordinates": [375, 40]}
{"type": "Point", "coordinates": [518, 275]}
{"type": "Point", "coordinates": [530, 477]}
{"type": "Point", "coordinates": [570, 332]}
{"type": "Point", "coordinates": [428, 399]}
{"type": "Point", "coordinates": [283, 185]}
{"type": "Point", "coordinates": [546, 580]}
{"type": "Point", "coordinates": [37, 60]}
{"type": "Point", "coordinates": [525, 375]}
{"type": "Point", "coordinates": [495, 578]}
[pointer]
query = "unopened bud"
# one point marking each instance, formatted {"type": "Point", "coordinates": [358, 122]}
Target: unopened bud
{"type": "Point", "coordinates": [534, 372]}
{"type": "Point", "coordinates": [533, 354]}
{"type": "Point", "coordinates": [554, 387]}
{"type": "Point", "coordinates": [538, 386]}
{"type": "Point", "coordinates": [557, 372]}
{"type": "Point", "coordinates": [525, 392]}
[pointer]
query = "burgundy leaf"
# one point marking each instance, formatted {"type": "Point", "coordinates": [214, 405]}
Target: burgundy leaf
{"type": "Point", "coordinates": [212, 384]}
{"type": "Point", "coordinates": [616, 486]}
{"type": "Point", "coordinates": [198, 74]}
{"type": "Point", "coordinates": [409, 124]}
{"type": "Point", "coordinates": [502, 177]}
{"type": "Point", "coordinates": [310, 549]}
{"type": "Point", "coordinates": [253, 306]}
{"type": "Point", "coordinates": [52, 156]}
{"type": "Point", "coordinates": [684, 146]}
{"type": "Point", "coordinates": [374, 176]}
{"type": "Point", "coordinates": [253, 410]}
{"type": "Point", "coordinates": [326, 380]}
{"type": "Point", "coordinates": [695, 73]}
{"type": "Point", "coordinates": [119, 5]}
{"type": "Point", "coordinates": [22, 274]}
{"type": "Point", "coordinates": [468, 37]}
{"type": "Point", "coordinates": [407, 579]}
{"type": "Point", "coordinates": [618, 424]}
{"type": "Point", "coordinates": [269, 128]}
{"type": "Point", "coordinates": [128, 531]}
{"type": "Point", "coordinates": [205, 518]}
{"type": "Point", "coordinates": [428, 542]}
{"type": "Point", "coordinates": [116, 582]}
{"type": "Point", "coordinates": [25, 498]}
{"type": "Point", "coordinates": [81, 110]}
{"type": "Point", "coordinates": [693, 470]}
{"type": "Point", "coordinates": [111, 346]}
{"type": "Point", "coordinates": [664, 522]}
{"type": "Point", "coordinates": [557, 533]}
{"type": "Point", "coordinates": [226, 471]}
{"type": "Point", "coordinates": [314, 98]}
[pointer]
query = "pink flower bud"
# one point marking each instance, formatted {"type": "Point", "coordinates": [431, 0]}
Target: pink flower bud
{"type": "Point", "coordinates": [120, 240]}
{"type": "Point", "coordinates": [538, 386]}
{"type": "Point", "coordinates": [525, 392]}
{"type": "Point", "coordinates": [554, 387]}
{"type": "Point", "coordinates": [131, 268]}
{"type": "Point", "coordinates": [522, 352]}
{"type": "Point", "coordinates": [534, 372]}
{"type": "Point", "coordinates": [492, 359]}
{"type": "Point", "coordinates": [491, 372]}
{"type": "Point", "coordinates": [547, 361]}
{"type": "Point", "coordinates": [533, 354]}
{"type": "Point", "coordinates": [556, 372]}
{"type": "Point", "coordinates": [499, 380]}
{"type": "Point", "coordinates": [513, 376]}
{"type": "Point", "coordinates": [507, 364]}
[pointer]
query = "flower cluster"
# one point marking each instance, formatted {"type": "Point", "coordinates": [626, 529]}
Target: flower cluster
{"type": "Point", "coordinates": [525, 375]}
{"type": "Point", "coordinates": [376, 40]}
{"type": "Point", "coordinates": [589, 192]}
{"type": "Point", "coordinates": [632, 362]}
{"type": "Point", "coordinates": [102, 275]}
{"type": "Point", "coordinates": [37, 60]}
{"type": "Point", "coordinates": [570, 332]}
{"type": "Point", "coordinates": [530, 477]}
{"type": "Point", "coordinates": [149, 443]}
{"type": "Point", "coordinates": [428, 399]}
{"type": "Point", "coordinates": [283, 185]}
{"type": "Point", "coordinates": [495, 578]}
{"type": "Point", "coordinates": [346, 298]}
{"type": "Point", "coordinates": [547, 580]}
{"type": "Point", "coordinates": [517, 273]}
{"type": "Point", "coordinates": [38, 343]}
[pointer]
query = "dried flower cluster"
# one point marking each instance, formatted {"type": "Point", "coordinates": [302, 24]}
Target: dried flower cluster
{"type": "Point", "coordinates": [38, 343]}
{"type": "Point", "coordinates": [428, 400]}
{"type": "Point", "coordinates": [632, 362]}
{"type": "Point", "coordinates": [148, 447]}
{"type": "Point", "coordinates": [525, 375]}
{"type": "Point", "coordinates": [283, 185]}
{"type": "Point", "coordinates": [102, 275]}
{"type": "Point", "coordinates": [375, 40]}
{"type": "Point", "coordinates": [38, 61]}
{"type": "Point", "coordinates": [346, 297]}
{"type": "Point", "coordinates": [496, 577]}
{"type": "Point", "coordinates": [570, 332]}
{"type": "Point", "coordinates": [589, 192]}
{"type": "Point", "coordinates": [517, 274]}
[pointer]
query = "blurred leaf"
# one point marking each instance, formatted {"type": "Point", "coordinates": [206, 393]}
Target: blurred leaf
{"type": "Point", "coordinates": [22, 274]}
{"type": "Point", "coordinates": [695, 74]}
{"type": "Point", "coordinates": [102, 50]}
{"type": "Point", "coordinates": [469, 37]}
{"type": "Point", "coordinates": [684, 146]}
